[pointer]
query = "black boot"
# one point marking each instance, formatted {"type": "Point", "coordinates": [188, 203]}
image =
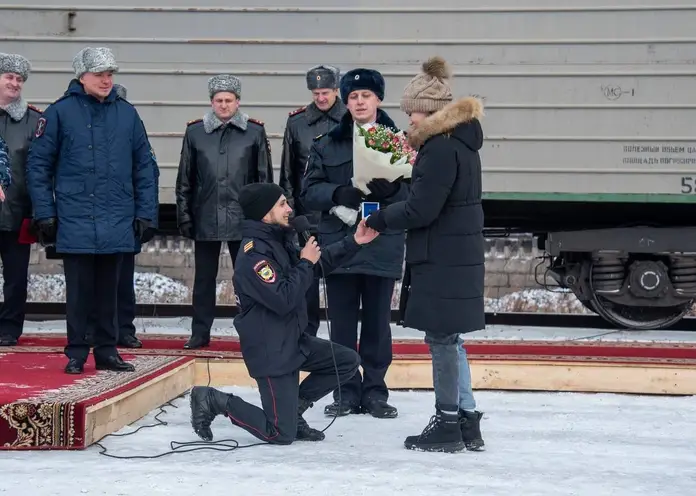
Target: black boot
{"type": "Point", "coordinates": [304, 431]}
{"type": "Point", "coordinates": [206, 404]}
{"type": "Point", "coordinates": [339, 410]}
{"type": "Point", "coordinates": [441, 434]}
{"type": "Point", "coordinates": [196, 342]}
{"type": "Point", "coordinates": [7, 340]}
{"type": "Point", "coordinates": [470, 423]}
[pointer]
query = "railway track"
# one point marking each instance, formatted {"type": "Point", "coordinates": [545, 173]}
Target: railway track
{"type": "Point", "coordinates": [44, 311]}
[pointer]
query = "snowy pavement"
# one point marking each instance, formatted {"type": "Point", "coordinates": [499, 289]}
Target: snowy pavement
{"type": "Point", "coordinates": [538, 444]}
{"type": "Point", "coordinates": [225, 327]}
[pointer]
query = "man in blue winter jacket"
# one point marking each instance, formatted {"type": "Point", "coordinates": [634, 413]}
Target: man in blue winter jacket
{"type": "Point", "coordinates": [91, 181]}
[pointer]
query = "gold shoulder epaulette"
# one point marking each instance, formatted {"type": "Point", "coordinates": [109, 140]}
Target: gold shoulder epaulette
{"type": "Point", "coordinates": [35, 109]}
{"type": "Point", "coordinates": [194, 121]}
{"type": "Point", "coordinates": [297, 111]}
{"type": "Point", "coordinates": [248, 246]}
{"type": "Point", "coordinates": [256, 121]}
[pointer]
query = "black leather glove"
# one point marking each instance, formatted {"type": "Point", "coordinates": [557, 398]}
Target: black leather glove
{"type": "Point", "coordinates": [143, 230]}
{"type": "Point", "coordinates": [348, 196]}
{"type": "Point", "coordinates": [47, 230]}
{"type": "Point", "coordinates": [186, 230]}
{"type": "Point", "coordinates": [376, 221]}
{"type": "Point", "coordinates": [381, 189]}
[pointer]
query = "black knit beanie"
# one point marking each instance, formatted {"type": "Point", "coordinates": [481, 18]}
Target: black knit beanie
{"type": "Point", "coordinates": [257, 199]}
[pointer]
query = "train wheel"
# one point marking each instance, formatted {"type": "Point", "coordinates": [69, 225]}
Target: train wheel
{"type": "Point", "coordinates": [639, 318]}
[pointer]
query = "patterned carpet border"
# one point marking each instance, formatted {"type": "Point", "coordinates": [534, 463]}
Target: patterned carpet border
{"type": "Point", "coordinates": [56, 419]}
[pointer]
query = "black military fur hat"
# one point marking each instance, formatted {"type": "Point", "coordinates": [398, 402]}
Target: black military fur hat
{"type": "Point", "coordinates": [322, 77]}
{"type": "Point", "coordinates": [362, 79]}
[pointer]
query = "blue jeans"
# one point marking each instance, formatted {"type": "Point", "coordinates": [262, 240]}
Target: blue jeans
{"type": "Point", "coordinates": [466, 394]}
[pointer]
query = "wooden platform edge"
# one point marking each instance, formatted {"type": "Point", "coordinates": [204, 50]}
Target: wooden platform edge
{"type": "Point", "coordinates": [115, 413]}
{"type": "Point", "coordinates": [110, 415]}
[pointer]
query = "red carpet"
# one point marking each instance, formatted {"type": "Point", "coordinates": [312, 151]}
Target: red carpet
{"type": "Point", "coordinates": [41, 407]}
{"type": "Point", "coordinates": [414, 349]}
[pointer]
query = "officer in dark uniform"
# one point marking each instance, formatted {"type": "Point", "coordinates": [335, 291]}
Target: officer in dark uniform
{"type": "Point", "coordinates": [368, 278]}
{"type": "Point", "coordinates": [18, 121]}
{"type": "Point", "coordinates": [302, 126]}
{"type": "Point", "coordinates": [270, 280]}
{"type": "Point", "coordinates": [220, 153]}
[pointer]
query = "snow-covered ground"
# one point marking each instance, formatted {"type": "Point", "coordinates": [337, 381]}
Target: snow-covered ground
{"type": "Point", "coordinates": [157, 288]}
{"type": "Point", "coordinates": [538, 444]}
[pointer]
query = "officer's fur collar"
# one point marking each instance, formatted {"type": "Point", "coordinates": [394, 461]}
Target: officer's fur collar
{"type": "Point", "coordinates": [16, 109]}
{"type": "Point", "coordinates": [344, 129]}
{"type": "Point", "coordinates": [445, 120]}
{"type": "Point", "coordinates": [337, 111]}
{"type": "Point", "coordinates": [211, 122]}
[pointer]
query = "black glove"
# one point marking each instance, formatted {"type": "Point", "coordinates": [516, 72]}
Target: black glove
{"type": "Point", "coordinates": [348, 196]}
{"type": "Point", "coordinates": [143, 230]}
{"type": "Point", "coordinates": [376, 221]}
{"type": "Point", "coordinates": [382, 189]}
{"type": "Point", "coordinates": [47, 230]}
{"type": "Point", "coordinates": [186, 230]}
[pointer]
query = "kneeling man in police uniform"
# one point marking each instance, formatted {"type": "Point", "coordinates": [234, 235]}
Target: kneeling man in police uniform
{"type": "Point", "coordinates": [271, 279]}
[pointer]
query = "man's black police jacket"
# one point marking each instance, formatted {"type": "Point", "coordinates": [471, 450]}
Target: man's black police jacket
{"type": "Point", "coordinates": [270, 282]}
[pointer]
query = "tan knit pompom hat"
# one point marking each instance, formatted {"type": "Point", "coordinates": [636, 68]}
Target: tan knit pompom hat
{"type": "Point", "coordinates": [429, 91]}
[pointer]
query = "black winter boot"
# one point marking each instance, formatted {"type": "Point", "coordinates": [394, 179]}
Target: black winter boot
{"type": "Point", "coordinates": [206, 404]}
{"type": "Point", "coordinates": [471, 429]}
{"type": "Point", "coordinates": [304, 431]}
{"type": "Point", "coordinates": [441, 434]}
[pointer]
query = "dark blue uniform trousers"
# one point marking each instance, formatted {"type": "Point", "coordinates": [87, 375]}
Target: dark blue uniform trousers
{"type": "Point", "coordinates": [15, 269]}
{"type": "Point", "coordinates": [345, 293]}
{"type": "Point", "coordinates": [277, 422]}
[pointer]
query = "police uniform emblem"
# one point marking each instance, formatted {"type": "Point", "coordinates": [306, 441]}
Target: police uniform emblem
{"type": "Point", "coordinates": [265, 272]}
{"type": "Point", "coordinates": [40, 127]}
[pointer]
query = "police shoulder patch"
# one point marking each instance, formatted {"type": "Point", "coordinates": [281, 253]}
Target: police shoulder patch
{"type": "Point", "coordinates": [40, 127]}
{"type": "Point", "coordinates": [256, 121]}
{"type": "Point", "coordinates": [248, 246]}
{"type": "Point", "coordinates": [298, 111]}
{"type": "Point", "coordinates": [265, 271]}
{"type": "Point", "coordinates": [35, 109]}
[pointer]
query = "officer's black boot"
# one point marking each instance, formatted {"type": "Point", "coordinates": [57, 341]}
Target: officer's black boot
{"type": "Point", "coordinates": [470, 423]}
{"type": "Point", "coordinates": [441, 434]}
{"type": "Point", "coordinates": [304, 431]}
{"type": "Point", "coordinates": [206, 404]}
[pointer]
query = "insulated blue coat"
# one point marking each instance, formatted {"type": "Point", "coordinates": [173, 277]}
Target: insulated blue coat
{"type": "Point", "coordinates": [91, 166]}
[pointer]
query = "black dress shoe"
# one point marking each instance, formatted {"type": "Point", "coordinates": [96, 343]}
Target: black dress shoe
{"type": "Point", "coordinates": [74, 367]}
{"type": "Point", "coordinates": [340, 410]}
{"type": "Point", "coordinates": [129, 341]}
{"type": "Point", "coordinates": [6, 340]}
{"type": "Point", "coordinates": [197, 342]}
{"type": "Point", "coordinates": [116, 364]}
{"type": "Point", "coordinates": [379, 409]}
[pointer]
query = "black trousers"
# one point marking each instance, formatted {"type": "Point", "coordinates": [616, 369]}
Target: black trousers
{"type": "Point", "coordinates": [125, 301]}
{"type": "Point", "coordinates": [313, 309]}
{"type": "Point", "coordinates": [276, 422]}
{"type": "Point", "coordinates": [15, 271]}
{"type": "Point", "coordinates": [91, 283]}
{"type": "Point", "coordinates": [345, 293]}
{"type": "Point", "coordinates": [207, 257]}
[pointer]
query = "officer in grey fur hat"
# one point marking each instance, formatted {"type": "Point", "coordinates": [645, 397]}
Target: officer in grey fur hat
{"type": "Point", "coordinates": [222, 152]}
{"type": "Point", "coordinates": [18, 121]}
{"type": "Point", "coordinates": [302, 126]}
{"type": "Point", "coordinates": [101, 216]}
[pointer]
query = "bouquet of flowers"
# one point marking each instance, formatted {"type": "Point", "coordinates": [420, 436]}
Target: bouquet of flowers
{"type": "Point", "coordinates": [379, 152]}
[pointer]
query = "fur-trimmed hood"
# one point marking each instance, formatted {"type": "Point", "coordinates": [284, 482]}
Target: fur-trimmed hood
{"type": "Point", "coordinates": [449, 120]}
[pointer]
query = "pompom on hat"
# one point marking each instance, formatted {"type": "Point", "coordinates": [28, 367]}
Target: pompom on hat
{"type": "Point", "coordinates": [430, 90]}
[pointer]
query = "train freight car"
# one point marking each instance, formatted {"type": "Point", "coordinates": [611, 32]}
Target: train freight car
{"type": "Point", "coordinates": [590, 108]}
